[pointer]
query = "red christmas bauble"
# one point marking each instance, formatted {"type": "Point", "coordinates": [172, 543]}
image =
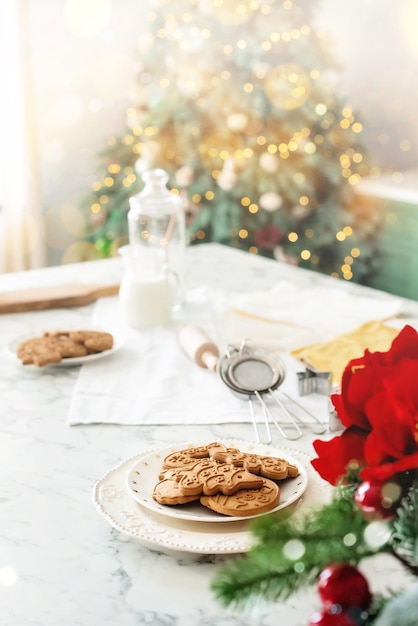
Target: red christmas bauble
{"type": "Point", "coordinates": [378, 500]}
{"type": "Point", "coordinates": [325, 618]}
{"type": "Point", "coordinates": [342, 584]}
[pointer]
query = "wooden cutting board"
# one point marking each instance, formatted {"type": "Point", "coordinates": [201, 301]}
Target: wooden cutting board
{"type": "Point", "coordinates": [53, 297]}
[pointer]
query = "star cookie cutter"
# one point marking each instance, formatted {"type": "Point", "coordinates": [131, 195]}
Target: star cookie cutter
{"type": "Point", "coordinates": [312, 381]}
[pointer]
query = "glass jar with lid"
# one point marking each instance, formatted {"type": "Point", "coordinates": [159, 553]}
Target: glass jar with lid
{"type": "Point", "coordinates": [157, 232]}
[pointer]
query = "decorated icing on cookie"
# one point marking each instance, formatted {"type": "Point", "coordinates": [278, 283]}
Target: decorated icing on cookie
{"type": "Point", "coordinates": [245, 502]}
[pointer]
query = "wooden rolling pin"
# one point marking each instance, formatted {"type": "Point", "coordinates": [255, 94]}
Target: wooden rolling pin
{"type": "Point", "coordinates": [199, 347]}
{"type": "Point", "coordinates": [53, 297]}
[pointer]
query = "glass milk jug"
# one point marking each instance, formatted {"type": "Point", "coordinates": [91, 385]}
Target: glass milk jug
{"type": "Point", "coordinates": [157, 240]}
{"type": "Point", "coordinates": [146, 292]}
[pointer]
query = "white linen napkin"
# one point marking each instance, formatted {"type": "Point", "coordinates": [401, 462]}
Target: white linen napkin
{"type": "Point", "coordinates": [150, 380]}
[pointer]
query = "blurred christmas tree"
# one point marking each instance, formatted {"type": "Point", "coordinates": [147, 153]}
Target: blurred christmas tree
{"type": "Point", "coordinates": [237, 100]}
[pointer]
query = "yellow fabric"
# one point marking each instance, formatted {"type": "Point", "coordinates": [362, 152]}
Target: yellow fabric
{"type": "Point", "coordinates": [334, 355]}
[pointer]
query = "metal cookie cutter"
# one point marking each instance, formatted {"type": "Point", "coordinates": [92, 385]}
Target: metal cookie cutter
{"type": "Point", "coordinates": [250, 373]}
{"type": "Point", "coordinates": [312, 381]}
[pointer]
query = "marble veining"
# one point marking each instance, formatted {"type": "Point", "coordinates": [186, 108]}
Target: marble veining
{"type": "Point", "coordinates": [63, 563]}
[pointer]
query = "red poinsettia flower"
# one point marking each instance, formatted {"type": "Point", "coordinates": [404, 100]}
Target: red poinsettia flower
{"type": "Point", "coordinates": [378, 405]}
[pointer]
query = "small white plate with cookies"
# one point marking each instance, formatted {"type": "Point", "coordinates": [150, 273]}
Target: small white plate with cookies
{"type": "Point", "coordinates": [64, 347]}
{"type": "Point", "coordinates": [169, 483]}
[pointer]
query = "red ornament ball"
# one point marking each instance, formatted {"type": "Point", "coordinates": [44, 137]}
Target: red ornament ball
{"type": "Point", "coordinates": [326, 618]}
{"type": "Point", "coordinates": [378, 500]}
{"type": "Point", "coordinates": [342, 584]}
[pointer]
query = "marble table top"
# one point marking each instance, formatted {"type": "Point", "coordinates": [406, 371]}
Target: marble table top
{"type": "Point", "coordinates": [75, 549]}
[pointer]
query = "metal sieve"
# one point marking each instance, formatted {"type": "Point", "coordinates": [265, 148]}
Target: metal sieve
{"type": "Point", "coordinates": [249, 373]}
{"type": "Point", "coordinates": [254, 373]}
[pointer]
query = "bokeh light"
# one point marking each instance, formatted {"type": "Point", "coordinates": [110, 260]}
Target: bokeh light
{"type": "Point", "coordinates": [287, 86]}
{"type": "Point", "coordinates": [377, 534]}
{"type": "Point", "coordinates": [294, 549]}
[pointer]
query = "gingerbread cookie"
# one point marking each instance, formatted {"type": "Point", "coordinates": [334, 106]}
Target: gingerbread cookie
{"type": "Point", "coordinates": [94, 341]}
{"type": "Point", "coordinates": [169, 492]}
{"type": "Point", "coordinates": [187, 456]}
{"type": "Point", "coordinates": [245, 502]}
{"type": "Point", "coordinates": [267, 466]}
{"type": "Point", "coordinates": [38, 351]}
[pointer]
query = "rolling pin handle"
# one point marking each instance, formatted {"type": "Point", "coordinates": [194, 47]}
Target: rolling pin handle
{"type": "Point", "coordinates": [199, 347]}
{"type": "Point", "coordinates": [210, 360]}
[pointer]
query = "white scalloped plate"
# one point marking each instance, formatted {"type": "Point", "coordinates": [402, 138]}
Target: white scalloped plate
{"type": "Point", "coordinates": [143, 477]}
{"type": "Point", "coordinates": [115, 504]}
{"type": "Point", "coordinates": [118, 341]}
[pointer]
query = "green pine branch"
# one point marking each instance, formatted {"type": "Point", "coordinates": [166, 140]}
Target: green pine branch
{"type": "Point", "coordinates": [291, 552]}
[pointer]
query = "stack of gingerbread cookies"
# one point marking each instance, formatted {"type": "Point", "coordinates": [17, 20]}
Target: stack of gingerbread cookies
{"type": "Point", "coordinates": [225, 480]}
